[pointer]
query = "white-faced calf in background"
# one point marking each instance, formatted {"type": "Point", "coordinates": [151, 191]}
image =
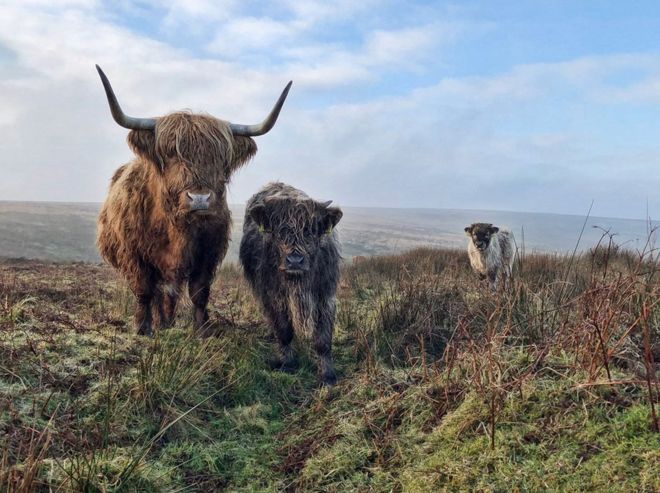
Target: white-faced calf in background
{"type": "Point", "coordinates": [491, 252]}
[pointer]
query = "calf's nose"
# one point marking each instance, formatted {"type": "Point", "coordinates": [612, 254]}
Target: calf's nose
{"type": "Point", "coordinates": [199, 201]}
{"type": "Point", "coordinates": [294, 261]}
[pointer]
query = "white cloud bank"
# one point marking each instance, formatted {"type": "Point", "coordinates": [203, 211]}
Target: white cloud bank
{"type": "Point", "coordinates": [538, 137]}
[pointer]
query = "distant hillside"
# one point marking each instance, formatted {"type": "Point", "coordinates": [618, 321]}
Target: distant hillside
{"type": "Point", "coordinates": [66, 231]}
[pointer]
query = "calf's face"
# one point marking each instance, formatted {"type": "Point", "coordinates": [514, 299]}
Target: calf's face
{"type": "Point", "coordinates": [295, 230]}
{"type": "Point", "coordinates": [480, 234]}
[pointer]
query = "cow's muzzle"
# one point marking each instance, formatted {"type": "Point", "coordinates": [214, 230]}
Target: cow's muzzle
{"type": "Point", "coordinates": [199, 201]}
{"type": "Point", "coordinates": [295, 263]}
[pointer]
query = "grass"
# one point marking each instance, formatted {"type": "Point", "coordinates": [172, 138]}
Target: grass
{"type": "Point", "coordinates": [444, 386]}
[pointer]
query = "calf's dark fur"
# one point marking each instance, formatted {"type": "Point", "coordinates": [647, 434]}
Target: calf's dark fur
{"type": "Point", "coordinates": [290, 255]}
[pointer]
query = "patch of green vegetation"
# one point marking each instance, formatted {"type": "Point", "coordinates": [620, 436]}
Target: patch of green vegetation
{"type": "Point", "coordinates": [444, 385]}
{"type": "Point", "coordinates": [551, 438]}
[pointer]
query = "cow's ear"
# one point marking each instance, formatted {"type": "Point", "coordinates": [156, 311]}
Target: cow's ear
{"type": "Point", "coordinates": [494, 229]}
{"type": "Point", "coordinates": [259, 216]}
{"type": "Point", "coordinates": [468, 230]}
{"type": "Point", "coordinates": [143, 143]}
{"type": "Point", "coordinates": [244, 149]}
{"type": "Point", "coordinates": [329, 219]}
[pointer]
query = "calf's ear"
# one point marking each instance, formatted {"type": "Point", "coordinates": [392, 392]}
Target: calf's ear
{"type": "Point", "coordinates": [143, 143]}
{"type": "Point", "coordinates": [258, 214]}
{"type": "Point", "coordinates": [330, 218]}
{"type": "Point", "coordinates": [468, 230]}
{"type": "Point", "coordinates": [494, 229]}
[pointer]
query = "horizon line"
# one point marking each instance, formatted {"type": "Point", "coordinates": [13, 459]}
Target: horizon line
{"type": "Point", "coordinates": [242, 204]}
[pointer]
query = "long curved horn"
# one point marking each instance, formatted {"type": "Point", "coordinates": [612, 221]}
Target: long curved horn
{"type": "Point", "coordinates": [267, 124]}
{"type": "Point", "coordinates": [119, 116]}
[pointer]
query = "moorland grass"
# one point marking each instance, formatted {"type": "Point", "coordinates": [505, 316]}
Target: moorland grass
{"type": "Point", "coordinates": [444, 385]}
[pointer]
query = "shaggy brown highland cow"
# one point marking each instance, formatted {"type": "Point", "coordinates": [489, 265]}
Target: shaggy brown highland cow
{"type": "Point", "coordinates": [166, 220]}
{"type": "Point", "coordinates": [290, 255]}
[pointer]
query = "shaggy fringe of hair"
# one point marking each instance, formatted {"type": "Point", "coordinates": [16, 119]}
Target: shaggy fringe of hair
{"type": "Point", "coordinates": [202, 140]}
{"type": "Point", "coordinates": [294, 214]}
{"type": "Point", "coordinates": [288, 207]}
{"type": "Point", "coordinates": [195, 133]}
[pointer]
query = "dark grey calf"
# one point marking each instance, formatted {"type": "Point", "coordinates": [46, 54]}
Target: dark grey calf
{"type": "Point", "coordinates": [290, 255]}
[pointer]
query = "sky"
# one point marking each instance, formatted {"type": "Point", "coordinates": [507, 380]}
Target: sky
{"type": "Point", "coordinates": [539, 106]}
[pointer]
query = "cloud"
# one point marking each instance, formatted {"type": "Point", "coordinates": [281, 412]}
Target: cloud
{"type": "Point", "coordinates": [292, 46]}
{"type": "Point", "coordinates": [461, 142]}
{"type": "Point", "coordinates": [313, 12]}
{"type": "Point", "coordinates": [195, 13]}
{"type": "Point", "coordinates": [251, 33]}
{"type": "Point", "coordinates": [405, 44]}
{"type": "Point", "coordinates": [643, 92]}
{"type": "Point", "coordinates": [374, 117]}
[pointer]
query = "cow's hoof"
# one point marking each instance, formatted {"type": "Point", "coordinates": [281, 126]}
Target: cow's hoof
{"type": "Point", "coordinates": [329, 380]}
{"type": "Point", "coordinates": [284, 366]}
{"type": "Point", "coordinates": [205, 332]}
{"type": "Point", "coordinates": [210, 328]}
{"type": "Point", "coordinates": [142, 331]}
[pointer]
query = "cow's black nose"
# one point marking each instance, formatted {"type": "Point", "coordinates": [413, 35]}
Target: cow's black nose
{"type": "Point", "coordinates": [294, 261]}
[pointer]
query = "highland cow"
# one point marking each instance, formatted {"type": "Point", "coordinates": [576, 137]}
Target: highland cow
{"type": "Point", "coordinates": [491, 252]}
{"type": "Point", "coordinates": [166, 220]}
{"type": "Point", "coordinates": [290, 255]}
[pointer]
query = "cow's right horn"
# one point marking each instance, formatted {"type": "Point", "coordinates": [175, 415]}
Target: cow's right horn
{"type": "Point", "coordinates": [119, 116]}
{"type": "Point", "coordinates": [267, 124]}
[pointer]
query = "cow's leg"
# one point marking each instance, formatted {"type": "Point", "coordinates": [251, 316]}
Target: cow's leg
{"type": "Point", "coordinates": [159, 301]}
{"type": "Point", "coordinates": [283, 332]}
{"type": "Point", "coordinates": [199, 289]}
{"type": "Point", "coordinates": [504, 279]}
{"type": "Point", "coordinates": [325, 320]}
{"type": "Point", "coordinates": [144, 287]}
{"type": "Point", "coordinates": [143, 319]}
{"type": "Point", "coordinates": [208, 253]}
{"type": "Point", "coordinates": [170, 301]}
{"type": "Point", "coordinates": [167, 297]}
{"type": "Point", "coordinates": [494, 279]}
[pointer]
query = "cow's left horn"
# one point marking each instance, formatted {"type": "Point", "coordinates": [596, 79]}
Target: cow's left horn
{"type": "Point", "coordinates": [119, 116]}
{"type": "Point", "coordinates": [267, 124]}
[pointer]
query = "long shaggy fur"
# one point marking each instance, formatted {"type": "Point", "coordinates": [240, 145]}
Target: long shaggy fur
{"type": "Point", "coordinates": [495, 262]}
{"type": "Point", "coordinates": [145, 230]}
{"type": "Point", "coordinates": [278, 220]}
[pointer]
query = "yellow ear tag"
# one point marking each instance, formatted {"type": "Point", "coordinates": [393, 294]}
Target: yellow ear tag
{"type": "Point", "coordinates": [262, 229]}
{"type": "Point", "coordinates": [329, 230]}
